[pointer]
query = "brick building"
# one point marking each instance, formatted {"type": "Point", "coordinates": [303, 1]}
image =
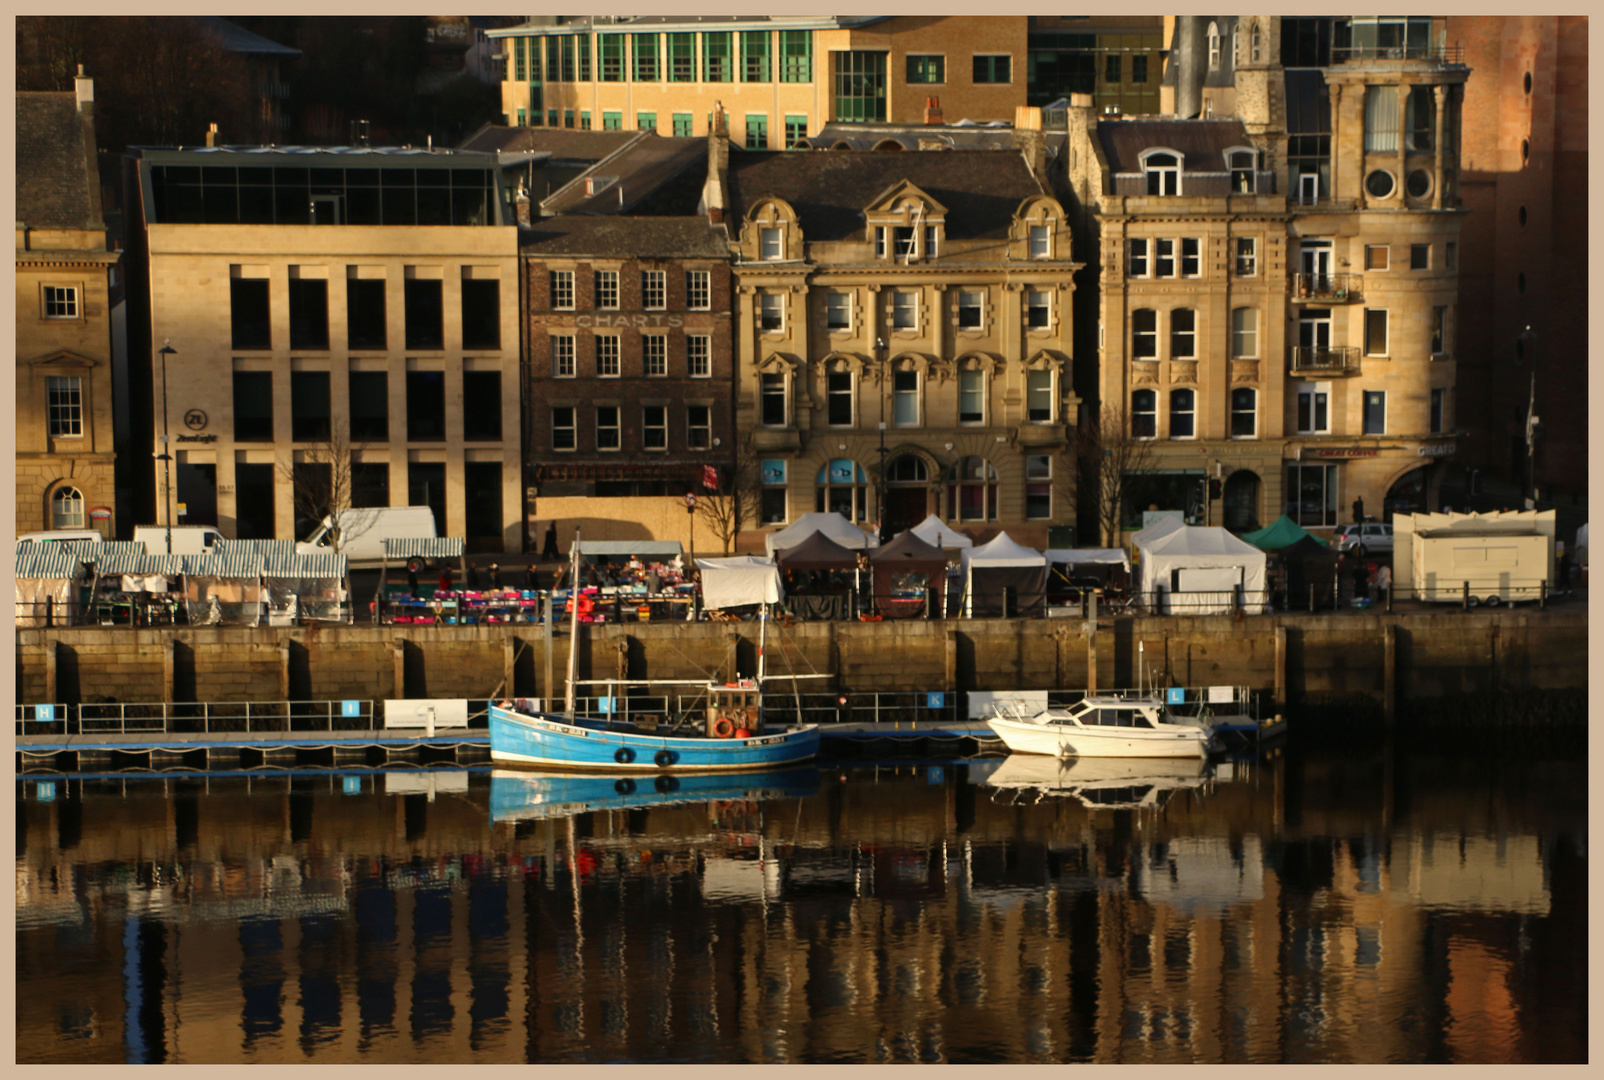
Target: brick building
{"type": "Point", "coordinates": [307, 292]}
{"type": "Point", "coordinates": [65, 452]}
{"type": "Point", "coordinates": [629, 373]}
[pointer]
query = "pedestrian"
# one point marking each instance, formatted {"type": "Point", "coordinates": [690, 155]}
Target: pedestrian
{"type": "Point", "coordinates": [445, 579]}
{"type": "Point", "coordinates": [531, 578]}
{"type": "Point", "coordinates": [495, 577]}
{"type": "Point", "coordinates": [1384, 581]}
{"type": "Point", "coordinates": [549, 549]}
{"type": "Point", "coordinates": [1359, 510]}
{"type": "Point", "coordinates": [412, 578]}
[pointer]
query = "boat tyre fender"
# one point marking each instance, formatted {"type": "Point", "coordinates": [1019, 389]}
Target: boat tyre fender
{"type": "Point", "coordinates": [666, 783]}
{"type": "Point", "coordinates": [624, 755]}
{"type": "Point", "coordinates": [625, 787]}
{"type": "Point", "coordinates": [664, 758]}
{"type": "Point", "coordinates": [723, 728]}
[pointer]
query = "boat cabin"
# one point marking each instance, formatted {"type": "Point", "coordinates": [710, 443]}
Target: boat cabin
{"type": "Point", "coordinates": [734, 710]}
{"type": "Point", "coordinates": [1106, 712]}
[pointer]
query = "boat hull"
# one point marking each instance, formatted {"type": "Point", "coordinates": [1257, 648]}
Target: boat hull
{"type": "Point", "coordinates": [545, 741]}
{"type": "Point", "coordinates": [528, 795]}
{"type": "Point", "coordinates": [1027, 737]}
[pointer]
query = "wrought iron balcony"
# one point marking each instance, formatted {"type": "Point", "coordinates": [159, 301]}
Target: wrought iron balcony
{"type": "Point", "coordinates": [1325, 360]}
{"type": "Point", "coordinates": [1327, 288]}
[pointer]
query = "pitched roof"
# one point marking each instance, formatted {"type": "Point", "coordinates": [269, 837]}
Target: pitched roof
{"type": "Point", "coordinates": [829, 188]}
{"type": "Point", "coordinates": [615, 236]}
{"type": "Point", "coordinates": [636, 170]}
{"type": "Point", "coordinates": [57, 185]}
{"type": "Point", "coordinates": [564, 144]}
{"type": "Point", "coordinates": [1202, 143]}
{"type": "Point", "coordinates": [237, 39]}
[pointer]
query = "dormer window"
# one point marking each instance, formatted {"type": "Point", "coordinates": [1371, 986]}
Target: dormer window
{"type": "Point", "coordinates": [771, 244]}
{"type": "Point", "coordinates": [1041, 241]}
{"type": "Point", "coordinates": [1163, 170]}
{"type": "Point", "coordinates": [1244, 180]}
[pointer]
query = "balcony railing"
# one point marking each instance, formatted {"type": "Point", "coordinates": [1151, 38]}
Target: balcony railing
{"type": "Point", "coordinates": [1439, 54]}
{"type": "Point", "coordinates": [1327, 288]}
{"type": "Point", "coordinates": [1325, 359]}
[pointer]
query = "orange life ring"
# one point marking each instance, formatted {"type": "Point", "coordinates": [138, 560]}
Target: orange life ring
{"type": "Point", "coordinates": [723, 728]}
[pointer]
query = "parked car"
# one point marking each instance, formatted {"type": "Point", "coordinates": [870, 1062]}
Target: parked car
{"type": "Point", "coordinates": [1364, 539]}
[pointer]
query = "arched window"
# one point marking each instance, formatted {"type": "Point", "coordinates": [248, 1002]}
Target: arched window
{"type": "Point", "coordinates": [972, 490]}
{"type": "Point", "coordinates": [907, 469]}
{"type": "Point", "coordinates": [1144, 334]}
{"type": "Point", "coordinates": [842, 487]}
{"type": "Point", "coordinates": [1183, 414]}
{"type": "Point", "coordinates": [1144, 414]}
{"type": "Point", "coordinates": [67, 509]}
{"type": "Point", "coordinates": [1244, 413]}
{"type": "Point", "coordinates": [1255, 41]}
{"type": "Point", "coordinates": [1163, 170]}
{"type": "Point", "coordinates": [1183, 334]}
{"type": "Point", "coordinates": [1214, 46]}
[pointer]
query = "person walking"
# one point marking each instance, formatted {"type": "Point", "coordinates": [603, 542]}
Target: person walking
{"type": "Point", "coordinates": [548, 550]}
{"type": "Point", "coordinates": [473, 575]}
{"type": "Point", "coordinates": [1359, 511]}
{"type": "Point", "coordinates": [412, 578]}
{"type": "Point", "coordinates": [531, 578]}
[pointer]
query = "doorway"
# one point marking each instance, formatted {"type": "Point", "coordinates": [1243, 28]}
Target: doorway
{"type": "Point", "coordinates": [1241, 501]}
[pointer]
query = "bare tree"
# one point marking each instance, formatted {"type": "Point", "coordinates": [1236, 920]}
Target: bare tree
{"type": "Point", "coordinates": [323, 485]}
{"type": "Point", "coordinates": [1114, 465]}
{"type": "Point", "coordinates": [735, 503]}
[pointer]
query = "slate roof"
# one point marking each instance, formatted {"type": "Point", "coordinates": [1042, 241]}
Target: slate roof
{"type": "Point", "coordinates": [971, 136]}
{"type": "Point", "coordinates": [830, 188]}
{"type": "Point", "coordinates": [638, 169]}
{"type": "Point", "coordinates": [1202, 142]}
{"type": "Point", "coordinates": [237, 39]}
{"type": "Point", "coordinates": [564, 144]}
{"type": "Point", "coordinates": [615, 236]}
{"type": "Point", "coordinates": [56, 183]}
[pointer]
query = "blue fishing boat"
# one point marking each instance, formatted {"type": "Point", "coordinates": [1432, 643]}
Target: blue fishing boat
{"type": "Point", "coordinates": [523, 795]}
{"type": "Point", "coordinates": [730, 736]}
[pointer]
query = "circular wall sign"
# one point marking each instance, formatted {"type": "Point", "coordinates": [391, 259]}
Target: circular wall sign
{"type": "Point", "coordinates": [195, 420]}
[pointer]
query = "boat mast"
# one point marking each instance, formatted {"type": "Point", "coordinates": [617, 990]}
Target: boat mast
{"type": "Point", "coordinates": [573, 624]}
{"type": "Point", "coordinates": [762, 637]}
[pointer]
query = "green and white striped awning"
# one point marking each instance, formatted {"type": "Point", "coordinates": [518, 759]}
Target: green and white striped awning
{"type": "Point", "coordinates": [433, 547]}
{"type": "Point", "coordinates": [318, 564]}
{"type": "Point", "coordinates": [239, 565]}
{"type": "Point", "coordinates": [117, 557]}
{"type": "Point", "coordinates": [53, 560]}
{"type": "Point", "coordinates": [271, 549]}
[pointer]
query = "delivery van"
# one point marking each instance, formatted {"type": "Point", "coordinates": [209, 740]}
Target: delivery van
{"type": "Point", "coordinates": [365, 529]}
{"type": "Point", "coordinates": [61, 536]}
{"type": "Point", "coordinates": [187, 539]}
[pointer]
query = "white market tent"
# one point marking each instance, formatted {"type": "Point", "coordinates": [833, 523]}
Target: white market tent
{"type": "Point", "coordinates": [1002, 563]}
{"type": "Point", "coordinates": [937, 533]}
{"type": "Point", "coordinates": [739, 579]}
{"type": "Point", "coordinates": [1089, 556]}
{"type": "Point", "coordinates": [1195, 570]}
{"type": "Point", "coordinates": [831, 524]}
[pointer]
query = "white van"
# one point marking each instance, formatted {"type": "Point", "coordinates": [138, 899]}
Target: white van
{"type": "Point", "coordinates": [61, 536]}
{"type": "Point", "coordinates": [364, 531]}
{"type": "Point", "coordinates": [187, 539]}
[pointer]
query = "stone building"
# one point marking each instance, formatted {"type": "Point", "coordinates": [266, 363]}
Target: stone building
{"type": "Point", "coordinates": [310, 292]}
{"type": "Point", "coordinates": [628, 343]}
{"type": "Point", "coordinates": [1279, 289]}
{"type": "Point", "coordinates": [64, 429]}
{"type": "Point", "coordinates": [903, 326]}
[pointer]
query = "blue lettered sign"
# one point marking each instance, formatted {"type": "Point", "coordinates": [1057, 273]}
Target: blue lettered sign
{"type": "Point", "coordinates": [604, 705]}
{"type": "Point", "coordinates": [44, 713]}
{"type": "Point", "coordinates": [45, 791]}
{"type": "Point", "coordinates": [935, 700]}
{"type": "Point", "coordinates": [350, 708]}
{"type": "Point", "coordinates": [1175, 695]}
{"type": "Point", "coordinates": [936, 775]}
{"type": "Point", "coordinates": [352, 785]}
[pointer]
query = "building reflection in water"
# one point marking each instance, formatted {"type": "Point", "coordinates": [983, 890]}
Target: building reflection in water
{"type": "Point", "coordinates": [1375, 908]}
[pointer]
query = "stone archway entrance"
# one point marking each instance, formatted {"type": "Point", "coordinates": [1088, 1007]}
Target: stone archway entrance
{"type": "Point", "coordinates": [907, 493]}
{"type": "Point", "coordinates": [1241, 501]}
{"type": "Point", "coordinates": [1407, 494]}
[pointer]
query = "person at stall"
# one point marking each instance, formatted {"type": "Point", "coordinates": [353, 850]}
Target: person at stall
{"type": "Point", "coordinates": [495, 576]}
{"type": "Point", "coordinates": [531, 578]}
{"type": "Point", "coordinates": [412, 578]}
{"type": "Point", "coordinates": [473, 575]}
{"type": "Point", "coordinates": [634, 567]}
{"type": "Point", "coordinates": [445, 579]}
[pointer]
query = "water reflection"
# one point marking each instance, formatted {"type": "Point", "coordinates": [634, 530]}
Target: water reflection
{"type": "Point", "coordinates": [1317, 907]}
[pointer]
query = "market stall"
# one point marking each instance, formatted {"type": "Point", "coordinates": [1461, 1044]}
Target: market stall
{"type": "Point", "coordinates": [224, 590]}
{"type": "Point", "coordinates": [1073, 572]}
{"type": "Point", "coordinates": [739, 581]}
{"type": "Point", "coordinates": [937, 533]}
{"type": "Point", "coordinates": [910, 577]}
{"type": "Point", "coordinates": [49, 580]}
{"type": "Point", "coordinates": [313, 586]}
{"type": "Point", "coordinates": [1004, 579]}
{"type": "Point", "coordinates": [821, 578]}
{"type": "Point", "coordinates": [1200, 570]}
{"type": "Point", "coordinates": [132, 586]}
{"type": "Point", "coordinates": [831, 524]}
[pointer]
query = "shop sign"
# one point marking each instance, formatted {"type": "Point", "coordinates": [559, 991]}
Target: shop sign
{"type": "Point", "coordinates": [1437, 450]}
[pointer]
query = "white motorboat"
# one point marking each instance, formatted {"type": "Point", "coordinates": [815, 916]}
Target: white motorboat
{"type": "Point", "coordinates": [1098, 783]}
{"type": "Point", "coordinates": [1128, 727]}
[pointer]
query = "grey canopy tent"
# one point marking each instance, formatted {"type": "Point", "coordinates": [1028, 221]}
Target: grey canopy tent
{"type": "Point", "coordinates": [1003, 569]}
{"type": "Point", "coordinates": [813, 590]}
{"type": "Point", "coordinates": [910, 577]}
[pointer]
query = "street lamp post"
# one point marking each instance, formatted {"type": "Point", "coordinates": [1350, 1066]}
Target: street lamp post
{"type": "Point", "coordinates": [166, 456]}
{"type": "Point", "coordinates": [1528, 339]}
{"type": "Point", "coordinates": [880, 496]}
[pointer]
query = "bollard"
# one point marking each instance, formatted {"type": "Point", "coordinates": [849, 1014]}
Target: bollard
{"type": "Point", "coordinates": [1389, 599]}
{"type": "Point", "coordinates": [1464, 598]}
{"type": "Point", "coordinates": [1311, 598]}
{"type": "Point", "coordinates": [1542, 595]}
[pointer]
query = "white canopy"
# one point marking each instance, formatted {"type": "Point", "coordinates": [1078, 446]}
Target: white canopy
{"type": "Point", "coordinates": [831, 524]}
{"type": "Point", "coordinates": [932, 530]}
{"type": "Point", "coordinates": [1161, 527]}
{"type": "Point", "coordinates": [1207, 563]}
{"type": "Point", "coordinates": [1088, 556]}
{"type": "Point", "coordinates": [739, 579]}
{"type": "Point", "coordinates": [1002, 550]}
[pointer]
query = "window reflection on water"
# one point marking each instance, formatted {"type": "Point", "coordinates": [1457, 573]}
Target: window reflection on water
{"type": "Point", "coordinates": [1374, 907]}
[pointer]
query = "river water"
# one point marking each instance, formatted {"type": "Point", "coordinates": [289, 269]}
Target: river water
{"type": "Point", "coordinates": [1355, 903]}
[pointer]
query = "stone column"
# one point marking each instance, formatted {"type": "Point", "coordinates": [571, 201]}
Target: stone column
{"type": "Point", "coordinates": [1336, 127]}
{"type": "Point", "coordinates": [1440, 97]}
{"type": "Point", "coordinates": [398, 654]}
{"type": "Point", "coordinates": [1405, 88]}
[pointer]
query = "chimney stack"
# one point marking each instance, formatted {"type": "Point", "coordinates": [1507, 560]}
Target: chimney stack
{"type": "Point", "coordinates": [933, 111]}
{"type": "Point", "coordinates": [211, 135]}
{"type": "Point", "coordinates": [520, 205]}
{"type": "Point", "coordinates": [85, 88]}
{"type": "Point", "coordinates": [718, 168]}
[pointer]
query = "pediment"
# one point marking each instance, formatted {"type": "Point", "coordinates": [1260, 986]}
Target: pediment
{"type": "Point", "coordinates": [62, 358]}
{"type": "Point", "coordinates": [904, 199]}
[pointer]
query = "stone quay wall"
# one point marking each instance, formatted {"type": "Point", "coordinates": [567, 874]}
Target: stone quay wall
{"type": "Point", "coordinates": [1292, 660]}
